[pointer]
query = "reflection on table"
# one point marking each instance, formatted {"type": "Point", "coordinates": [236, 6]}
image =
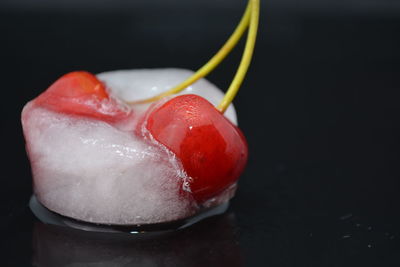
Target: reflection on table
{"type": "Point", "coordinates": [212, 242]}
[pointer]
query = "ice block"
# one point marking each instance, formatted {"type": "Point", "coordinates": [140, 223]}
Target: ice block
{"type": "Point", "coordinates": [98, 159]}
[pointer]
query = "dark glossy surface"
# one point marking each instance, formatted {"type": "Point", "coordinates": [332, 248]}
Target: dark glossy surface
{"type": "Point", "coordinates": [319, 109]}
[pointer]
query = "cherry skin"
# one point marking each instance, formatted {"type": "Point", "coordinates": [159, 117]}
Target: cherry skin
{"type": "Point", "coordinates": [212, 150]}
{"type": "Point", "coordinates": [81, 93]}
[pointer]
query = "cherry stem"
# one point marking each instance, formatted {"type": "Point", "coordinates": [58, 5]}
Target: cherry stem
{"type": "Point", "coordinates": [246, 58]}
{"type": "Point", "coordinates": [213, 62]}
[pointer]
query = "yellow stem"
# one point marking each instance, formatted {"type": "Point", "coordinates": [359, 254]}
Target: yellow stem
{"type": "Point", "coordinates": [246, 58]}
{"type": "Point", "coordinates": [212, 63]}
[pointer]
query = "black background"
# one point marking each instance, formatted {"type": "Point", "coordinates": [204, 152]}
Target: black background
{"type": "Point", "coordinates": [319, 108]}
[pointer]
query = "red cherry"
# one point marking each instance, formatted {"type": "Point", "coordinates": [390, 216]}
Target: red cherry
{"type": "Point", "coordinates": [81, 93]}
{"type": "Point", "coordinates": [212, 150]}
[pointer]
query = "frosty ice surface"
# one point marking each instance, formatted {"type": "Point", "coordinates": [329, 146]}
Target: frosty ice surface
{"type": "Point", "coordinates": [101, 172]}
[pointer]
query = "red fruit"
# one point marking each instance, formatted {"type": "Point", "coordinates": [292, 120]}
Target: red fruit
{"type": "Point", "coordinates": [212, 150]}
{"type": "Point", "coordinates": [81, 93]}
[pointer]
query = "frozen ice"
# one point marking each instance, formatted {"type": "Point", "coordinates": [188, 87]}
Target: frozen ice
{"type": "Point", "coordinates": [92, 171]}
{"type": "Point", "coordinates": [88, 170]}
{"type": "Point", "coordinates": [138, 84]}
